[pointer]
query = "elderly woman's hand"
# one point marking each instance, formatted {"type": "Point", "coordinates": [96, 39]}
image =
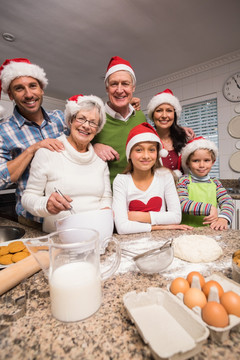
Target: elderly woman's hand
{"type": "Point", "coordinates": [57, 203]}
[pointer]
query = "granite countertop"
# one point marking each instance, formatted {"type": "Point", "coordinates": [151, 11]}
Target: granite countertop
{"type": "Point", "coordinates": [108, 334]}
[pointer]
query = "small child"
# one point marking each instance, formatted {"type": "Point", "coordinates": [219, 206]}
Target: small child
{"type": "Point", "coordinates": [145, 196]}
{"type": "Point", "coordinates": [200, 196]}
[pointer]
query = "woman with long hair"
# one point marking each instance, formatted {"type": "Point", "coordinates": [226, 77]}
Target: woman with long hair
{"type": "Point", "coordinates": [164, 111]}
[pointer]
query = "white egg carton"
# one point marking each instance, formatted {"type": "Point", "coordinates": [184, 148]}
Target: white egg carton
{"type": "Point", "coordinates": [218, 334]}
{"type": "Point", "coordinates": [171, 330]}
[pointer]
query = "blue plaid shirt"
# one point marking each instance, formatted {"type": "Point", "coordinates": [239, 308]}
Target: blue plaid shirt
{"type": "Point", "coordinates": [16, 135]}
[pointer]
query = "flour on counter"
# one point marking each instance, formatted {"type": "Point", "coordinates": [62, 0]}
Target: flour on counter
{"type": "Point", "coordinates": [177, 268]}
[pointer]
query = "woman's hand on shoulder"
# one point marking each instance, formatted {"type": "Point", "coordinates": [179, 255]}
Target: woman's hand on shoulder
{"type": "Point", "coordinates": [136, 103]}
{"type": "Point", "coordinates": [190, 133]}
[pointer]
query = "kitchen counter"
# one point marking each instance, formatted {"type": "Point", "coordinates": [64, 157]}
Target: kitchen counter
{"type": "Point", "coordinates": [108, 334]}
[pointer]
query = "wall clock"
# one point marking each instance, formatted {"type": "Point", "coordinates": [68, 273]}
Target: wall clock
{"type": "Point", "coordinates": [231, 88]}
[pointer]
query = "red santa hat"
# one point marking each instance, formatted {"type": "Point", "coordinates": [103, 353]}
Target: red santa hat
{"type": "Point", "coordinates": [164, 97]}
{"type": "Point", "coordinates": [141, 133]}
{"type": "Point", "coordinates": [74, 105]}
{"type": "Point", "coordinates": [14, 68]}
{"type": "Point", "coordinates": [196, 144]}
{"type": "Point", "coordinates": [116, 64]}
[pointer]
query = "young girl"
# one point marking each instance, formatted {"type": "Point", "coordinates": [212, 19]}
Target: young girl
{"type": "Point", "coordinates": [145, 196]}
{"type": "Point", "coordinates": [200, 195]}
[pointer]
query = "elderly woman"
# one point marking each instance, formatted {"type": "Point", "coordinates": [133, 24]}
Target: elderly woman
{"type": "Point", "coordinates": [80, 175]}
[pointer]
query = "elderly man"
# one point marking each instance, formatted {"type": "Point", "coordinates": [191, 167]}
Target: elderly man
{"type": "Point", "coordinates": [109, 144]}
{"type": "Point", "coordinates": [29, 128]}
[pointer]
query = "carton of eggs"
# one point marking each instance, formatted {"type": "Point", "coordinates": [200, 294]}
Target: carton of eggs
{"type": "Point", "coordinates": [215, 299]}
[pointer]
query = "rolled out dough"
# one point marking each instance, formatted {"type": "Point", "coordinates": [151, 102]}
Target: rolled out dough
{"type": "Point", "coordinates": [196, 248]}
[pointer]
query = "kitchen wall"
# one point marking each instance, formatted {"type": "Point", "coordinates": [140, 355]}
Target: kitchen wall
{"type": "Point", "coordinates": [204, 81]}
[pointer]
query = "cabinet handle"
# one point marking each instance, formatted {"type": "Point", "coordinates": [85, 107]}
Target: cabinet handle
{"type": "Point", "coordinates": [237, 219]}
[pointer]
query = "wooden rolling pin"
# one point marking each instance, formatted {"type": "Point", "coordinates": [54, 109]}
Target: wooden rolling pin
{"type": "Point", "coordinates": [14, 274]}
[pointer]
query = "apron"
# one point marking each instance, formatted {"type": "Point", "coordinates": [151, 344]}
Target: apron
{"type": "Point", "coordinates": [200, 192]}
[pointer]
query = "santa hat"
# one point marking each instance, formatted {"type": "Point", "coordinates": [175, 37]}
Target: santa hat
{"type": "Point", "coordinates": [14, 68]}
{"type": "Point", "coordinates": [74, 103]}
{"type": "Point", "coordinates": [116, 64]}
{"type": "Point", "coordinates": [141, 133]}
{"type": "Point", "coordinates": [196, 144]}
{"type": "Point", "coordinates": [164, 97]}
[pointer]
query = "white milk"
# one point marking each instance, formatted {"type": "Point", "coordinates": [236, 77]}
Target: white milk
{"type": "Point", "coordinates": [75, 291]}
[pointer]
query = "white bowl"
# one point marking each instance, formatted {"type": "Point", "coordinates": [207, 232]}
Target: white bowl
{"type": "Point", "coordinates": [99, 220]}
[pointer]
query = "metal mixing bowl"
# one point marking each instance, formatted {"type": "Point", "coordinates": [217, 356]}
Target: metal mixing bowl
{"type": "Point", "coordinates": [8, 233]}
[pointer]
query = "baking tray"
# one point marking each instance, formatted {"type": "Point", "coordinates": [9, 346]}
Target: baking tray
{"type": "Point", "coordinates": [171, 330]}
{"type": "Point", "coordinates": [6, 244]}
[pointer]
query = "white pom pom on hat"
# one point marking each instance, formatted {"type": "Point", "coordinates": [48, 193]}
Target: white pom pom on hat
{"type": "Point", "coordinates": [196, 144]}
{"type": "Point", "coordinates": [117, 64]}
{"type": "Point", "coordinates": [14, 68]}
{"type": "Point", "coordinates": [141, 133]}
{"type": "Point", "coordinates": [164, 97]}
{"type": "Point", "coordinates": [73, 106]}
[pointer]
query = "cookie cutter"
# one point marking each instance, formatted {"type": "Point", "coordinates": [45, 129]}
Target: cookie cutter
{"type": "Point", "coordinates": [14, 306]}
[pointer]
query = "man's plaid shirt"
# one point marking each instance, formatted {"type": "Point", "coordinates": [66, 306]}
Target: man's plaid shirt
{"type": "Point", "coordinates": [16, 135]}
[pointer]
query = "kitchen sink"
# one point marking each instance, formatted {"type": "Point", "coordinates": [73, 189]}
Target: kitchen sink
{"type": "Point", "coordinates": [8, 233]}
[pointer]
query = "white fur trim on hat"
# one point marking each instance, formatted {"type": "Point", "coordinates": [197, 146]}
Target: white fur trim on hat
{"type": "Point", "coordinates": [73, 107]}
{"type": "Point", "coordinates": [146, 136]}
{"type": "Point", "coordinates": [178, 173]}
{"type": "Point", "coordinates": [162, 99]}
{"type": "Point", "coordinates": [194, 145]}
{"type": "Point", "coordinates": [17, 69]}
{"type": "Point", "coordinates": [119, 67]}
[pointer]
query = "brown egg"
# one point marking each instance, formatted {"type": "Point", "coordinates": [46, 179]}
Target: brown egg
{"type": "Point", "coordinates": [214, 314]}
{"type": "Point", "coordinates": [179, 285]}
{"type": "Point", "coordinates": [231, 302]}
{"type": "Point", "coordinates": [207, 286]}
{"type": "Point", "coordinates": [195, 273]}
{"type": "Point", "coordinates": [194, 297]}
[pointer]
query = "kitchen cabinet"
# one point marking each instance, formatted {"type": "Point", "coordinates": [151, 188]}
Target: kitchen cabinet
{"type": "Point", "coordinates": [236, 217]}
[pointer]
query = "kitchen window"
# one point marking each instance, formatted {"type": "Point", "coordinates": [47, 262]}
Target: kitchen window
{"type": "Point", "coordinates": [202, 118]}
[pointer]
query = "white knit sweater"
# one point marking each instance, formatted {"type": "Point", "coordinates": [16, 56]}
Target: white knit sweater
{"type": "Point", "coordinates": [82, 176]}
